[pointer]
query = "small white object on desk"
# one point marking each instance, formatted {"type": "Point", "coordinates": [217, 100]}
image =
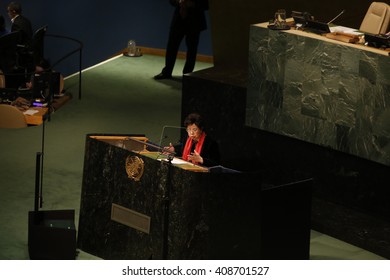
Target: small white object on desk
{"type": "Point", "coordinates": [30, 112]}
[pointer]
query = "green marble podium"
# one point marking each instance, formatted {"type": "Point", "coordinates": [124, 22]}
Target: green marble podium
{"type": "Point", "coordinates": [321, 91]}
{"type": "Point", "coordinates": [136, 206]}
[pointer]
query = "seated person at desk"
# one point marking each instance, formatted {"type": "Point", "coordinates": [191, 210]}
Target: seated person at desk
{"type": "Point", "coordinates": [199, 148]}
{"type": "Point", "coordinates": [44, 77]}
{"type": "Point", "coordinates": [41, 67]}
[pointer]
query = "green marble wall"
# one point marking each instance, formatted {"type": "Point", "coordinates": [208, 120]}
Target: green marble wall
{"type": "Point", "coordinates": [320, 92]}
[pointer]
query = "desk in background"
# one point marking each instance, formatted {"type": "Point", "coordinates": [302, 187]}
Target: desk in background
{"type": "Point", "coordinates": [35, 118]}
{"type": "Point", "coordinates": [38, 117]}
{"type": "Point", "coordinates": [321, 91]}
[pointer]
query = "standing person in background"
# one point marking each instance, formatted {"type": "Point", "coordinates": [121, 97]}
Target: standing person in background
{"type": "Point", "coordinates": [24, 62]}
{"type": "Point", "coordinates": [20, 23]}
{"type": "Point", "coordinates": [188, 21]}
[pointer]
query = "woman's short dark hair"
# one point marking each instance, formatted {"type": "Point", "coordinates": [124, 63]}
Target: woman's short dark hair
{"type": "Point", "coordinates": [194, 118]}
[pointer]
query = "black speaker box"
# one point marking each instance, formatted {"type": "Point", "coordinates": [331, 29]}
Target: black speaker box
{"type": "Point", "coordinates": [51, 235]}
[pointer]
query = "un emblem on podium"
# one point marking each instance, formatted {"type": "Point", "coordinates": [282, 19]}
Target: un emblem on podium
{"type": "Point", "coordinates": [134, 167]}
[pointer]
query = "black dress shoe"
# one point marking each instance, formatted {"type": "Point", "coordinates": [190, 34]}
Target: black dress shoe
{"type": "Point", "coordinates": [162, 76]}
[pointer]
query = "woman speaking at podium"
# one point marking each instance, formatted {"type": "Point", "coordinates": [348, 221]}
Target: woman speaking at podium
{"type": "Point", "coordinates": [199, 148]}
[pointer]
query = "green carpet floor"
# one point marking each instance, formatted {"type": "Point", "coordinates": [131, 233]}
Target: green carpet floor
{"type": "Point", "coordinates": [118, 96]}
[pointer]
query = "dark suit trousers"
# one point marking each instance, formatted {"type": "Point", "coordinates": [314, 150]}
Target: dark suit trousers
{"type": "Point", "coordinates": [176, 35]}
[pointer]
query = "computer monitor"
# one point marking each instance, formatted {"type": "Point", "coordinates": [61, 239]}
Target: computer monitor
{"type": "Point", "coordinates": [377, 40]}
{"type": "Point", "coordinates": [317, 27]}
{"type": "Point", "coordinates": [46, 84]}
{"type": "Point", "coordinates": [7, 95]}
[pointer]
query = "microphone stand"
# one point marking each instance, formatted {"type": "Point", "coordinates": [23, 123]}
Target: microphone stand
{"type": "Point", "coordinates": [38, 200]}
{"type": "Point", "coordinates": [336, 17]}
{"type": "Point", "coordinates": [167, 201]}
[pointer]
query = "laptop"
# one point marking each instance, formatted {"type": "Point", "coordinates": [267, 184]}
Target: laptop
{"type": "Point", "coordinates": [377, 40]}
{"type": "Point", "coordinates": [317, 27]}
{"type": "Point", "coordinates": [46, 84]}
{"type": "Point", "coordinates": [8, 94]}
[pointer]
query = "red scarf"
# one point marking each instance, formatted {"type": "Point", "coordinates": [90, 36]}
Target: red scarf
{"type": "Point", "coordinates": [198, 148]}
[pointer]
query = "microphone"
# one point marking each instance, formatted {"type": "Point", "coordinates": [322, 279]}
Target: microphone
{"type": "Point", "coordinates": [336, 17]}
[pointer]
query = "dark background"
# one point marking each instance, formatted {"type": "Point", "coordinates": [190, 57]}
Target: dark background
{"type": "Point", "coordinates": [106, 26]}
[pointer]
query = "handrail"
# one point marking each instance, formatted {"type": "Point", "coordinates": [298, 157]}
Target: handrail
{"type": "Point", "coordinates": [79, 49]}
